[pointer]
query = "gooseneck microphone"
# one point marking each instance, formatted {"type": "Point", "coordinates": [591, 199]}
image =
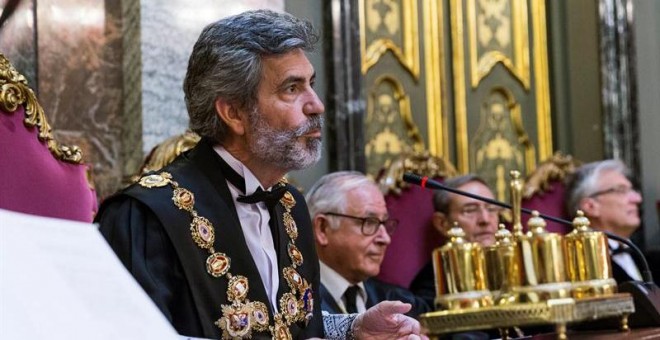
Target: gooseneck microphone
{"type": "Point", "coordinates": [426, 182]}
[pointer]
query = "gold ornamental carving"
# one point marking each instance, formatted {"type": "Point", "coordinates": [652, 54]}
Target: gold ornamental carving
{"type": "Point", "coordinates": [464, 28]}
{"type": "Point", "coordinates": [500, 142]}
{"type": "Point", "coordinates": [390, 130]}
{"type": "Point", "coordinates": [389, 25]}
{"type": "Point", "coordinates": [498, 33]}
{"type": "Point", "coordinates": [14, 91]}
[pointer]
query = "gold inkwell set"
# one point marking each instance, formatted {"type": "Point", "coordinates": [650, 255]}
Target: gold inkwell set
{"type": "Point", "coordinates": [524, 279]}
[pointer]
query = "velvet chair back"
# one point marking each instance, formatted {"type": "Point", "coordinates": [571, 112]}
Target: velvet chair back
{"type": "Point", "coordinates": [415, 238]}
{"type": "Point", "coordinates": [545, 189]}
{"type": "Point", "coordinates": [37, 175]}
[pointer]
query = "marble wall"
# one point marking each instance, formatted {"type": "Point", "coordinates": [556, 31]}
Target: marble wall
{"type": "Point", "coordinates": [169, 31]}
{"type": "Point", "coordinates": [69, 51]}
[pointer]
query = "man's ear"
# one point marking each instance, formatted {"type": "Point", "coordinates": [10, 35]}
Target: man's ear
{"type": "Point", "coordinates": [321, 227]}
{"type": "Point", "coordinates": [441, 223]}
{"type": "Point", "coordinates": [229, 114]}
{"type": "Point", "coordinates": [590, 207]}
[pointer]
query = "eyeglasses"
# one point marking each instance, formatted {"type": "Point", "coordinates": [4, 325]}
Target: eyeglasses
{"type": "Point", "coordinates": [619, 190]}
{"type": "Point", "coordinates": [370, 225]}
{"type": "Point", "coordinates": [473, 210]}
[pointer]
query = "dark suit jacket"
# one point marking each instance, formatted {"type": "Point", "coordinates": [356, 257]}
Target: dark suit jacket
{"type": "Point", "coordinates": [152, 238]}
{"type": "Point", "coordinates": [378, 291]}
{"type": "Point", "coordinates": [620, 274]}
{"type": "Point", "coordinates": [423, 285]}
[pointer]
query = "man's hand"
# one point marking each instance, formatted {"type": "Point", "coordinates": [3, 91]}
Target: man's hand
{"type": "Point", "coordinates": [386, 321]}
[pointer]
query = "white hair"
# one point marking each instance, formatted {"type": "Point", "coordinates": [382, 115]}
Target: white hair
{"type": "Point", "coordinates": [328, 194]}
{"type": "Point", "coordinates": [584, 181]}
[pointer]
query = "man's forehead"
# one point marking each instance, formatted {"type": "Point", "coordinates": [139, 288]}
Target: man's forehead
{"type": "Point", "coordinates": [612, 178]}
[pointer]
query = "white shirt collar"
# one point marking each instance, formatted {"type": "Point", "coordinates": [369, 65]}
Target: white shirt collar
{"type": "Point", "coordinates": [337, 284]}
{"type": "Point", "coordinates": [251, 181]}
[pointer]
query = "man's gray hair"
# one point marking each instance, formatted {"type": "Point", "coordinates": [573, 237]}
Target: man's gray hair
{"type": "Point", "coordinates": [584, 182]}
{"type": "Point", "coordinates": [328, 194]}
{"type": "Point", "coordinates": [226, 62]}
{"type": "Point", "coordinates": [442, 198]}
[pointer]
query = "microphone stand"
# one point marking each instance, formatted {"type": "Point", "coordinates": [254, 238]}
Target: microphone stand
{"type": "Point", "coordinates": [645, 294]}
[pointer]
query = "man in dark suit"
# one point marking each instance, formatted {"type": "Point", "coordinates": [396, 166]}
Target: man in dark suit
{"type": "Point", "coordinates": [478, 220]}
{"type": "Point", "coordinates": [218, 240]}
{"type": "Point", "coordinates": [352, 232]}
{"type": "Point", "coordinates": [604, 193]}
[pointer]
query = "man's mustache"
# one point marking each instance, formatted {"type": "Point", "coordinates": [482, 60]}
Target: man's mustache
{"type": "Point", "coordinates": [313, 123]}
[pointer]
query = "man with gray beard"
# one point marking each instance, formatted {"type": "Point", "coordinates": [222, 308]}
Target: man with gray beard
{"type": "Point", "coordinates": [220, 242]}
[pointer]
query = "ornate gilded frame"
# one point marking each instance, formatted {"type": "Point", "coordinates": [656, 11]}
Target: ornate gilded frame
{"type": "Point", "coordinates": [480, 66]}
{"type": "Point", "coordinates": [541, 77]}
{"type": "Point", "coordinates": [14, 91]}
{"type": "Point", "coordinates": [407, 55]}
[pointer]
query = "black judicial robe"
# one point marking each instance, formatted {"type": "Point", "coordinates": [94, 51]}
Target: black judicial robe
{"type": "Point", "coordinates": [378, 291]}
{"type": "Point", "coordinates": [152, 238]}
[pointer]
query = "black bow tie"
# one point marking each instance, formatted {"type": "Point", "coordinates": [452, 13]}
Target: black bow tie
{"type": "Point", "coordinates": [269, 197]}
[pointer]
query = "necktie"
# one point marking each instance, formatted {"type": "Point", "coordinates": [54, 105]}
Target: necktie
{"type": "Point", "coordinates": [622, 250]}
{"type": "Point", "coordinates": [350, 296]}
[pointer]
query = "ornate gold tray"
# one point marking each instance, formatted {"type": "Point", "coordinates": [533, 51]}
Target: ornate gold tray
{"type": "Point", "coordinates": [553, 311]}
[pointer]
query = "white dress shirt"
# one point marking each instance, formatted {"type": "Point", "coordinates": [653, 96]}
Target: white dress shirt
{"type": "Point", "coordinates": [337, 285]}
{"type": "Point", "coordinates": [625, 261]}
{"type": "Point", "coordinates": [254, 222]}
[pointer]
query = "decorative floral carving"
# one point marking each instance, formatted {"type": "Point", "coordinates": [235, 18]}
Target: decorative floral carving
{"type": "Point", "coordinates": [421, 163]}
{"type": "Point", "coordinates": [555, 168]}
{"type": "Point", "coordinates": [14, 91]}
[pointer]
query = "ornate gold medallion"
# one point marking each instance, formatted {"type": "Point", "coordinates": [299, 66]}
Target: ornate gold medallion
{"type": "Point", "coordinates": [155, 180]}
{"type": "Point", "coordinates": [294, 279]}
{"type": "Point", "coordinates": [289, 306]}
{"type": "Point", "coordinates": [288, 201]}
{"type": "Point", "coordinates": [290, 226]}
{"type": "Point", "coordinates": [202, 232]}
{"type": "Point", "coordinates": [308, 304]}
{"type": "Point", "coordinates": [280, 331]}
{"type": "Point", "coordinates": [218, 264]}
{"type": "Point", "coordinates": [237, 288]}
{"type": "Point", "coordinates": [183, 199]}
{"type": "Point", "coordinates": [236, 321]}
{"type": "Point", "coordinates": [260, 316]}
{"type": "Point", "coordinates": [295, 255]}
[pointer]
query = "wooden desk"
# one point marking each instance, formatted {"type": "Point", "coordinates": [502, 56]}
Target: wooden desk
{"type": "Point", "coordinates": [638, 334]}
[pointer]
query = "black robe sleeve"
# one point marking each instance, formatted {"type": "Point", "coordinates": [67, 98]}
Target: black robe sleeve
{"type": "Point", "coordinates": [141, 243]}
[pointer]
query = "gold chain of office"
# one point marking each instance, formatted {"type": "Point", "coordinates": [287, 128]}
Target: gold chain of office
{"type": "Point", "coordinates": [242, 316]}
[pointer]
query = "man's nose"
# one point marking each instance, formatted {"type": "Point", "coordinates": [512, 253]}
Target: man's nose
{"type": "Point", "coordinates": [382, 236]}
{"type": "Point", "coordinates": [314, 105]}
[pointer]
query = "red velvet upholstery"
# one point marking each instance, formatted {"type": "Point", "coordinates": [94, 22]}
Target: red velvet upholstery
{"type": "Point", "coordinates": [545, 189]}
{"type": "Point", "coordinates": [33, 179]}
{"type": "Point", "coordinates": [550, 202]}
{"type": "Point", "coordinates": [414, 239]}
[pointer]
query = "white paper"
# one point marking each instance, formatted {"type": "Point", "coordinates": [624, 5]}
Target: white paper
{"type": "Point", "coordinates": [59, 279]}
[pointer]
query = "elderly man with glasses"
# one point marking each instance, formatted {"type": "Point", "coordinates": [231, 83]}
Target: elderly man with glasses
{"type": "Point", "coordinates": [478, 219]}
{"type": "Point", "coordinates": [604, 193]}
{"type": "Point", "coordinates": [352, 232]}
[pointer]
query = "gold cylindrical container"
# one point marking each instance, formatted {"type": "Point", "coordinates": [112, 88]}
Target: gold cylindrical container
{"type": "Point", "coordinates": [588, 260]}
{"type": "Point", "coordinates": [543, 262]}
{"type": "Point", "coordinates": [503, 265]}
{"type": "Point", "coordinates": [460, 273]}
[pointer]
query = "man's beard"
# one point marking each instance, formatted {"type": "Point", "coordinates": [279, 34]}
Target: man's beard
{"type": "Point", "coordinates": [283, 147]}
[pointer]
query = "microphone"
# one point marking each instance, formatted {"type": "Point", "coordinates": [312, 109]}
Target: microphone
{"type": "Point", "coordinates": [646, 294]}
